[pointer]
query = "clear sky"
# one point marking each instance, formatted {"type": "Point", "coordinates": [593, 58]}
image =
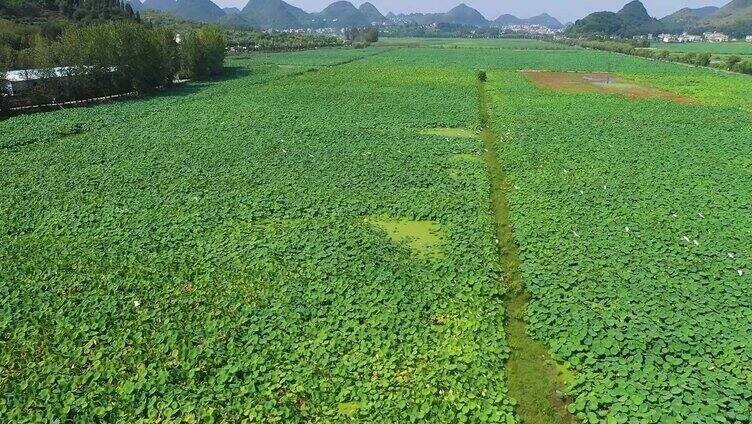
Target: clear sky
{"type": "Point", "coordinates": [564, 10]}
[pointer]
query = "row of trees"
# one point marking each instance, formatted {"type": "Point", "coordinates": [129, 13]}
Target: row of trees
{"type": "Point", "coordinates": [634, 48]}
{"type": "Point", "coordinates": [242, 38]}
{"type": "Point", "coordinates": [440, 30]}
{"type": "Point", "coordinates": [113, 58]}
{"type": "Point", "coordinates": [245, 40]}
{"type": "Point", "coordinates": [697, 59]}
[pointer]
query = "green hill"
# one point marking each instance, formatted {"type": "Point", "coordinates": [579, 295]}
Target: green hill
{"type": "Point", "coordinates": [341, 14]}
{"type": "Point", "coordinates": [459, 15]}
{"type": "Point", "coordinates": [468, 16]}
{"type": "Point", "coordinates": [464, 15]}
{"type": "Point", "coordinates": [545, 20]}
{"type": "Point", "coordinates": [273, 14]}
{"type": "Point", "coordinates": [632, 19]}
{"type": "Point", "coordinates": [637, 19]}
{"type": "Point", "coordinates": [372, 13]}
{"type": "Point", "coordinates": [198, 10]}
{"type": "Point", "coordinates": [506, 20]}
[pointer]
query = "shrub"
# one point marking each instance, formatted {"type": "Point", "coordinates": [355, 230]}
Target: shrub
{"type": "Point", "coordinates": [744, 67]}
{"type": "Point", "coordinates": [732, 61]}
{"type": "Point", "coordinates": [645, 53]}
{"type": "Point", "coordinates": [703, 59]}
{"type": "Point", "coordinates": [689, 58]}
{"type": "Point", "coordinates": [482, 77]}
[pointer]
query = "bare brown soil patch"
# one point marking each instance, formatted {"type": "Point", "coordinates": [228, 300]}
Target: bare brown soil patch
{"type": "Point", "coordinates": [601, 82]}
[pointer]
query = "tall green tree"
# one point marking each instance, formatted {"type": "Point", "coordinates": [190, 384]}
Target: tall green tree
{"type": "Point", "coordinates": [203, 52]}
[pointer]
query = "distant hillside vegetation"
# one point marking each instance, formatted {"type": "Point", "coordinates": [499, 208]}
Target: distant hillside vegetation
{"type": "Point", "coordinates": [75, 10]}
{"type": "Point", "coordinates": [686, 19]}
{"type": "Point", "coordinates": [234, 21]}
{"type": "Point", "coordinates": [159, 5]}
{"type": "Point", "coordinates": [196, 10]}
{"type": "Point", "coordinates": [735, 19]}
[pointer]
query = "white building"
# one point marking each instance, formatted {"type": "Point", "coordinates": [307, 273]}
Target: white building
{"type": "Point", "coordinates": [716, 37]}
{"type": "Point", "coordinates": [668, 38]}
{"type": "Point", "coordinates": [749, 38]}
{"type": "Point", "coordinates": [686, 38]}
{"type": "Point", "coordinates": [21, 80]}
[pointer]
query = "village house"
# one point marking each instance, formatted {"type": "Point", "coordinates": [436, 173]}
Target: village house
{"type": "Point", "coordinates": [749, 39]}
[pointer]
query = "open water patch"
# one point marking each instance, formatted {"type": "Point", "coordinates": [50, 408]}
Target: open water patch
{"type": "Point", "coordinates": [421, 236]}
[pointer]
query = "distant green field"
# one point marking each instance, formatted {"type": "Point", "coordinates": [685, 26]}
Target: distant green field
{"type": "Point", "coordinates": [739, 48]}
{"type": "Point", "coordinates": [478, 43]}
{"type": "Point", "coordinates": [336, 236]}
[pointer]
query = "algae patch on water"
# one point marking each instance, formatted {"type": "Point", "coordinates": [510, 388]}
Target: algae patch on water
{"type": "Point", "coordinates": [423, 237]}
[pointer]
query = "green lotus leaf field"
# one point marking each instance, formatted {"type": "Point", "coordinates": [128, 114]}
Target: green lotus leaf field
{"type": "Point", "coordinates": [347, 235]}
